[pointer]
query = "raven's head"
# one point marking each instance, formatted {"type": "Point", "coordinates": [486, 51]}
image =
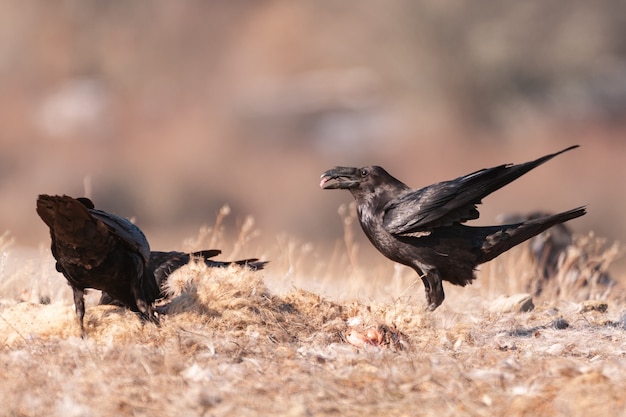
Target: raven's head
{"type": "Point", "coordinates": [360, 180]}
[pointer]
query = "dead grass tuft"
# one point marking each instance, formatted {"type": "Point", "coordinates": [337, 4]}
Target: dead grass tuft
{"type": "Point", "coordinates": [237, 300]}
{"type": "Point", "coordinates": [582, 273]}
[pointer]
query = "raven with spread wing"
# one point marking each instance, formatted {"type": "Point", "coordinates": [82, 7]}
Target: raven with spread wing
{"type": "Point", "coordinates": [423, 228]}
{"type": "Point", "coordinates": [95, 249]}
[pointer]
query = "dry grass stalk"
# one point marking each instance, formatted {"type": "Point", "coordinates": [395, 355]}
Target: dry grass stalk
{"type": "Point", "coordinates": [582, 274]}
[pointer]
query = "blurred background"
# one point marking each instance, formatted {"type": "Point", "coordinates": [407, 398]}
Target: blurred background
{"type": "Point", "coordinates": [165, 111]}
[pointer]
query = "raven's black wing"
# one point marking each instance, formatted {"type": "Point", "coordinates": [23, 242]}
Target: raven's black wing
{"type": "Point", "coordinates": [452, 201]}
{"type": "Point", "coordinates": [129, 234]}
{"type": "Point", "coordinates": [164, 263]}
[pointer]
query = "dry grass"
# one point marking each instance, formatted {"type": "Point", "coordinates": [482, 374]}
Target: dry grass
{"type": "Point", "coordinates": [237, 342]}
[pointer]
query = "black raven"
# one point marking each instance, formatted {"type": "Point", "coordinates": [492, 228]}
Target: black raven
{"type": "Point", "coordinates": [423, 228]}
{"type": "Point", "coordinates": [162, 264]}
{"type": "Point", "coordinates": [95, 249]}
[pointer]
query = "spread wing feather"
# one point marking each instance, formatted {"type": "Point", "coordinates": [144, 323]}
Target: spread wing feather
{"type": "Point", "coordinates": [451, 201]}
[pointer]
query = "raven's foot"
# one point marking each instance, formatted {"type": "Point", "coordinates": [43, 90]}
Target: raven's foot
{"type": "Point", "coordinates": [434, 290]}
{"type": "Point", "coordinates": [150, 317]}
{"type": "Point", "coordinates": [83, 333]}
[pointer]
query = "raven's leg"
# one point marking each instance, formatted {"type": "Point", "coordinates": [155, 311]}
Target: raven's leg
{"type": "Point", "coordinates": [139, 292]}
{"type": "Point", "coordinates": [79, 304]}
{"type": "Point", "coordinates": [144, 307]}
{"type": "Point", "coordinates": [434, 289]}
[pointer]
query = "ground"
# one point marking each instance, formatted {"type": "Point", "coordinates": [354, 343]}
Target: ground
{"type": "Point", "coordinates": [236, 342]}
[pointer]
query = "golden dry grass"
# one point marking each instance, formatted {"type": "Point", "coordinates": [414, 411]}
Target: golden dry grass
{"type": "Point", "coordinates": [237, 342]}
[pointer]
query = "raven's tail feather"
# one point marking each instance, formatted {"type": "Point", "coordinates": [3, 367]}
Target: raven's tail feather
{"type": "Point", "coordinates": [486, 181]}
{"type": "Point", "coordinates": [252, 263]}
{"type": "Point", "coordinates": [164, 263]}
{"type": "Point", "coordinates": [507, 236]}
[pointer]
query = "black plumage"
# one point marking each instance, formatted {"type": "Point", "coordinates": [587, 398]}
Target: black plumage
{"type": "Point", "coordinates": [422, 228]}
{"type": "Point", "coordinates": [96, 249]}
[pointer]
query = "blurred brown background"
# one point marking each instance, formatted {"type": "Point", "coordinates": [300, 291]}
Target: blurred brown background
{"type": "Point", "coordinates": [164, 111]}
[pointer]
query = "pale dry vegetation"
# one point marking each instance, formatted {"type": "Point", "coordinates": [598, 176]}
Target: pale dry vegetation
{"type": "Point", "coordinates": [237, 342]}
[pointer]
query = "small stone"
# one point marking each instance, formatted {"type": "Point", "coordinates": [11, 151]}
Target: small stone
{"type": "Point", "coordinates": [560, 324]}
{"type": "Point", "coordinates": [555, 349]}
{"type": "Point", "coordinates": [517, 303]}
{"type": "Point", "coordinates": [593, 305]}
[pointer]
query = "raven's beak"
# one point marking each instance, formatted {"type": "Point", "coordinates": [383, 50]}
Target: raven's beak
{"type": "Point", "coordinates": [345, 177]}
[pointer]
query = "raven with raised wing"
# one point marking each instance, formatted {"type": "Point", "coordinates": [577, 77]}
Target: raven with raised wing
{"type": "Point", "coordinates": [423, 228]}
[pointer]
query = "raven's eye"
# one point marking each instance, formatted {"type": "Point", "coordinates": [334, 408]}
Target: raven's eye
{"type": "Point", "coordinates": [363, 172]}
